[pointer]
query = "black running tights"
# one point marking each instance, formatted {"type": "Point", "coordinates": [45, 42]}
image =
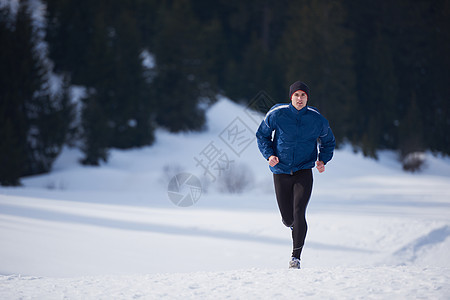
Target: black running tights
{"type": "Point", "coordinates": [293, 193]}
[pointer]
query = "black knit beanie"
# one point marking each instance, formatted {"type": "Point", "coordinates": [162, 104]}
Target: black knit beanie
{"type": "Point", "coordinates": [298, 85]}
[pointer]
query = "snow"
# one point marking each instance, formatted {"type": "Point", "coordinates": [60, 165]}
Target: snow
{"type": "Point", "coordinates": [148, 59]}
{"type": "Point", "coordinates": [319, 283]}
{"type": "Point", "coordinates": [111, 232]}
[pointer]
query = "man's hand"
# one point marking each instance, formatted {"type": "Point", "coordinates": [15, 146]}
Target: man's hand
{"type": "Point", "coordinates": [320, 166]}
{"type": "Point", "coordinates": [273, 160]}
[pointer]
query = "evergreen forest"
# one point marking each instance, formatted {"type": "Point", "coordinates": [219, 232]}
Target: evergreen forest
{"type": "Point", "coordinates": [105, 74]}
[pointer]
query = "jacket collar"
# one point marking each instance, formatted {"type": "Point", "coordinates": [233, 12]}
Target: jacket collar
{"type": "Point", "coordinates": [298, 112]}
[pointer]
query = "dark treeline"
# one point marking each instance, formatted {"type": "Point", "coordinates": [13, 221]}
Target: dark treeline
{"type": "Point", "coordinates": [378, 70]}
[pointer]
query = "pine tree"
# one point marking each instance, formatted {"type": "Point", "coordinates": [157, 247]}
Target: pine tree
{"type": "Point", "coordinates": [317, 49]}
{"type": "Point", "coordinates": [133, 115]}
{"type": "Point", "coordinates": [35, 121]}
{"type": "Point", "coordinates": [380, 98]}
{"type": "Point", "coordinates": [13, 125]}
{"type": "Point", "coordinates": [182, 80]}
{"type": "Point", "coordinates": [411, 129]}
{"type": "Point", "coordinates": [105, 44]}
{"type": "Point", "coordinates": [439, 120]}
{"type": "Point", "coordinates": [101, 102]}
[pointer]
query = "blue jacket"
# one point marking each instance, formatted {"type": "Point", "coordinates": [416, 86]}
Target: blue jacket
{"type": "Point", "coordinates": [297, 136]}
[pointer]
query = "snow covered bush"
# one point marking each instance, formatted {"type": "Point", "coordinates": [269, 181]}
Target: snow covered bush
{"type": "Point", "coordinates": [235, 180]}
{"type": "Point", "coordinates": [169, 171]}
{"type": "Point", "coordinates": [413, 162]}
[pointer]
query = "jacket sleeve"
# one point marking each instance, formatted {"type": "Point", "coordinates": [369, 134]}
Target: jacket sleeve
{"type": "Point", "coordinates": [327, 143]}
{"type": "Point", "coordinates": [264, 137]}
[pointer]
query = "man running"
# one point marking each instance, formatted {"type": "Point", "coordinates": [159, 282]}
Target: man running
{"type": "Point", "coordinates": [292, 152]}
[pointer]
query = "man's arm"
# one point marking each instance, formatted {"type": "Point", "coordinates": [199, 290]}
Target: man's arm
{"type": "Point", "coordinates": [327, 144]}
{"type": "Point", "coordinates": [264, 138]}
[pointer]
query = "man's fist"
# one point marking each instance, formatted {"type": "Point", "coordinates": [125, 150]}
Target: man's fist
{"type": "Point", "coordinates": [273, 160]}
{"type": "Point", "coordinates": [320, 166]}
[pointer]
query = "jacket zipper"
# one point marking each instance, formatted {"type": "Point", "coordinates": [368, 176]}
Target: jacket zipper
{"type": "Point", "coordinates": [298, 121]}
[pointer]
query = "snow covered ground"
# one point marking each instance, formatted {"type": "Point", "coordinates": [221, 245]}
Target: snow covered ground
{"type": "Point", "coordinates": [112, 232]}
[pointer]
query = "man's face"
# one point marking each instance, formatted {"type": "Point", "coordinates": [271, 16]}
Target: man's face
{"type": "Point", "coordinates": [299, 99]}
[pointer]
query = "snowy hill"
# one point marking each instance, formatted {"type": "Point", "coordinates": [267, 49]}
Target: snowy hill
{"type": "Point", "coordinates": [112, 232]}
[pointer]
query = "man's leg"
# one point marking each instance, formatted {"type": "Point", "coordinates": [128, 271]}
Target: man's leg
{"type": "Point", "coordinates": [284, 192]}
{"type": "Point", "coordinates": [301, 192]}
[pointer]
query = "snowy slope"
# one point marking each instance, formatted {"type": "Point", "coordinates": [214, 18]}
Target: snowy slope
{"type": "Point", "coordinates": [112, 232]}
